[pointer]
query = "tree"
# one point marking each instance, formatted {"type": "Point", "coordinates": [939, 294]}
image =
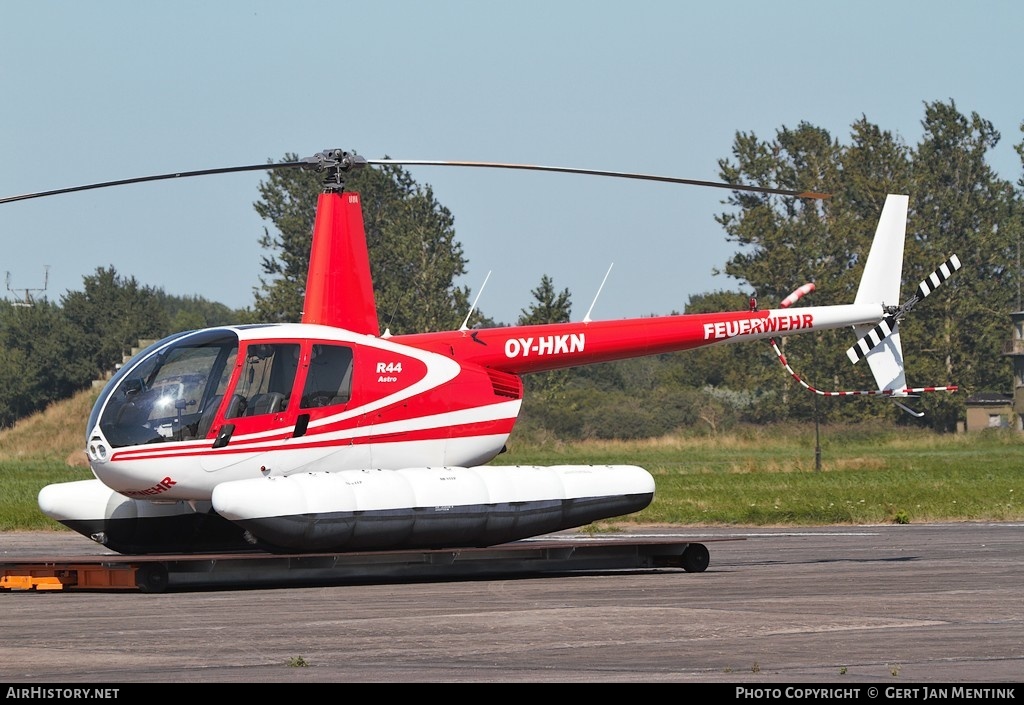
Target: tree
{"type": "Point", "coordinates": [785, 243]}
{"type": "Point", "coordinates": [16, 382]}
{"type": "Point", "coordinates": [548, 306]}
{"type": "Point", "coordinates": [957, 206]}
{"type": "Point", "coordinates": [731, 366]}
{"type": "Point", "coordinates": [288, 201]}
{"type": "Point", "coordinates": [110, 316]}
{"type": "Point", "coordinates": [193, 312]}
{"type": "Point", "coordinates": [41, 359]}
{"type": "Point", "coordinates": [49, 352]}
{"type": "Point", "coordinates": [960, 206]}
{"type": "Point", "coordinates": [414, 257]}
{"type": "Point", "coordinates": [1018, 234]}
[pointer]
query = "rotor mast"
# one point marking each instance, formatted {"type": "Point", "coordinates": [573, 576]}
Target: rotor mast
{"type": "Point", "coordinates": [339, 284]}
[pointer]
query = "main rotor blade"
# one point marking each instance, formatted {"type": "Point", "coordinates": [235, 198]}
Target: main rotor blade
{"type": "Point", "coordinates": [598, 172]}
{"type": "Point", "coordinates": [337, 160]}
{"type": "Point", "coordinates": [157, 177]}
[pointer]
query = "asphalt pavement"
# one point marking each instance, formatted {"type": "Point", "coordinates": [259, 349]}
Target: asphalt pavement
{"type": "Point", "coordinates": [890, 605]}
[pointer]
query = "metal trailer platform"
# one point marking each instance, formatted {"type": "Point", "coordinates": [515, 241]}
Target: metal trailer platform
{"type": "Point", "coordinates": [161, 573]}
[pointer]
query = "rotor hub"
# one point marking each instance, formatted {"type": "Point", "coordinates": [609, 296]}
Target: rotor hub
{"type": "Point", "coordinates": [334, 163]}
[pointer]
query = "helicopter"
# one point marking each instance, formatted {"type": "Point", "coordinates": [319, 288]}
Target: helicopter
{"type": "Point", "coordinates": [329, 435]}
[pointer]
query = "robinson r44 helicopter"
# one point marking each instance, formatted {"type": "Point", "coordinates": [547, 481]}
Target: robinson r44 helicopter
{"type": "Point", "coordinates": [329, 436]}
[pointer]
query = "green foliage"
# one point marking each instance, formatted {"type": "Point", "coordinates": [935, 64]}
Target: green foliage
{"type": "Point", "coordinates": [195, 312]}
{"type": "Point", "coordinates": [958, 205]}
{"type": "Point", "coordinates": [767, 475]}
{"type": "Point", "coordinates": [16, 388]}
{"type": "Point", "coordinates": [288, 201]}
{"type": "Point", "coordinates": [548, 306]}
{"type": "Point", "coordinates": [414, 256]}
{"type": "Point", "coordinates": [42, 359]}
{"type": "Point", "coordinates": [49, 352]}
{"type": "Point", "coordinates": [110, 316]}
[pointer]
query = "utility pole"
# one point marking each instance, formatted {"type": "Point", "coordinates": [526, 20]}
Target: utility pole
{"type": "Point", "coordinates": [817, 435]}
{"type": "Point", "coordinates": [817, 438]}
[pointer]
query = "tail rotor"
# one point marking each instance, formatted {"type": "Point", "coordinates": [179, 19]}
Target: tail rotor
{"type": "Point", "coordinates": [885, 332]}
{"type": "Point", "coordinates": [889, 324]}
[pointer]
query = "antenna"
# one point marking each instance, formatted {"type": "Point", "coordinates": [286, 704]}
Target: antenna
{"type": "Point", "coordinates": [586, 319]}
{"type": "Point", "coordinates": [28, 300]}
{"type": "Point", "coordinates": [465, 323]}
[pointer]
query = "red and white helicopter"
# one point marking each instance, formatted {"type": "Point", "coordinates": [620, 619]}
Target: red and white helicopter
{"type": "Point", "coordinates": [329, 436]}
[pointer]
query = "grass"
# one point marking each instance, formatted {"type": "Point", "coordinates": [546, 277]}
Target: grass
{"type": "Point", "coordinates": [770, 476]}
{"type": "Point", "coordinates": [766, 476]}
{"type": "Point", "coordinates": [20, 482]}
{"type": "Point", "coordinates": [40, 450]}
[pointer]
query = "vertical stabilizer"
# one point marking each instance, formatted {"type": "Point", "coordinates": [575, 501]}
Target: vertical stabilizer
{"type": "Point", "coordinates": [339, 288]}
{"type": "Point", "coordinates": [883, 270]}
{"type": "Point", "coordinates": [880, 284]}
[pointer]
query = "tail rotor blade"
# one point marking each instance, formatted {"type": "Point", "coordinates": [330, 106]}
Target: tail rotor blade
{"type": "Point", "coordinates": [869, 342]}
{"type": "Point", "coordinates": [885, 328]}
{"type": "Point", "coordinates": [944, 272]}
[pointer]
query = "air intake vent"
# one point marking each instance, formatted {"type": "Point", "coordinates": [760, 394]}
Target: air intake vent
{"type": "Point", "coordinates": [505, 384]}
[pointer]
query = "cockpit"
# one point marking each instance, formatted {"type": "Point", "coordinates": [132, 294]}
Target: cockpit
{"type": "Point", "coordinates": [175, 389]}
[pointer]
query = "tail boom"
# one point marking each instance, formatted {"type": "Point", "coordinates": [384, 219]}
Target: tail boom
{"type": "Point", "coordinates": [538, 348]}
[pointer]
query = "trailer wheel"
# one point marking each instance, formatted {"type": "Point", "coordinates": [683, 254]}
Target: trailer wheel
{"type": "Point", "coordinates": [151, 577]}
{"type": "Point", "coordinates": [695, 558]}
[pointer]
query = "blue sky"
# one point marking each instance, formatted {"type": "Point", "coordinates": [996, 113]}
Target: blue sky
{"type": "Point", "coordinates": [112, 90]}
